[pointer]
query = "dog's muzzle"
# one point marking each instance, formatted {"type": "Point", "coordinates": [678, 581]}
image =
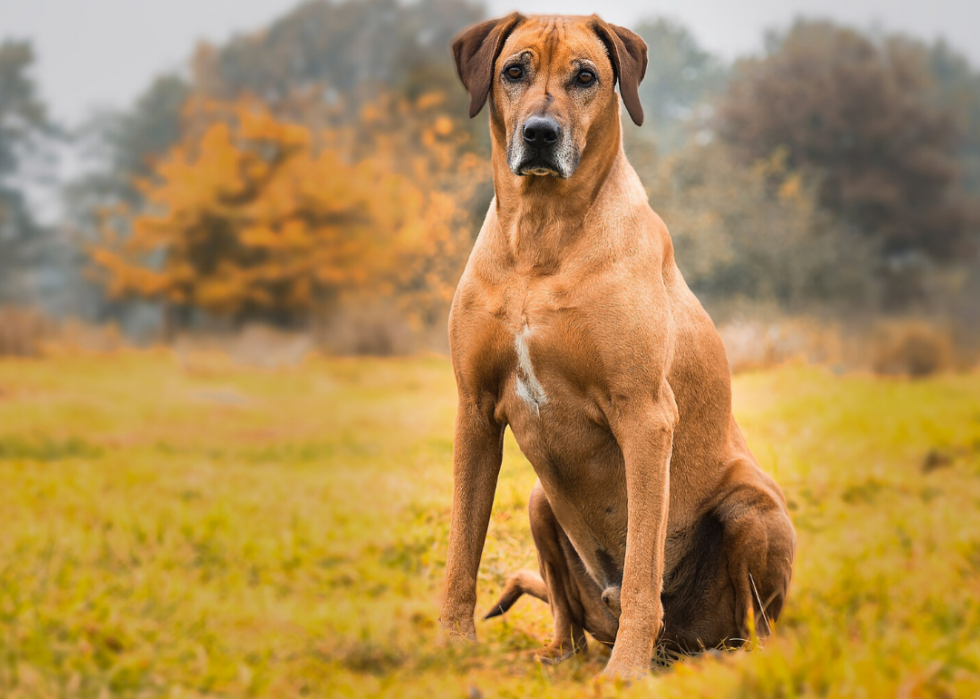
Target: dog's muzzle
{"type": "Point", "coordinates": [542, 149]}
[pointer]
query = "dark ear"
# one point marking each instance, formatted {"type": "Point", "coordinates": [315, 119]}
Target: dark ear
{"type": "Point", "coordinates": [628, 53]}
{"type": "Point", "coordinates": [476, 50]}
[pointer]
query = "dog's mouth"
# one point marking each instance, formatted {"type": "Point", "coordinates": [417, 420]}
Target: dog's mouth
{"type": "Point", "coordinates": [538, 170]}
{"type": "Point", "coordinates": [538, 167]}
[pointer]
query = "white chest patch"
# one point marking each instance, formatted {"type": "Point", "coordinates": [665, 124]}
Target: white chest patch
{"type": "Point", "coordinates": [529, 389]}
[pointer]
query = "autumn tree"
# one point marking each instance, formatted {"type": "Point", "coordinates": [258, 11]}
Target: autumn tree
{"type": "Point", "coordinates": [255, 217]}
{"type": "Point", "coordinates": [866, 116]}
{"type": "Point", "coordinates": [319, 64]}
{"type": "Point", "coordinates": [347, 53]}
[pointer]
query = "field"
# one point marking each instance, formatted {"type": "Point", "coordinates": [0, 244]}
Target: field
{"type": "Point", "coordinates": [186, 530]}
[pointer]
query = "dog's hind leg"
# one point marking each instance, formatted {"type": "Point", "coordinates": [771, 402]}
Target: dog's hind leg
{"type": "Point", "coordinates": [554, 585]}
{"type": "Point", "coordinates": [760, 544]}
{"type": "Point", "coordinates": [739, 563]}
{"type": "Point", "coordinates": [554, 552]}
{"type": "Point", "coordinates": [575, 598]}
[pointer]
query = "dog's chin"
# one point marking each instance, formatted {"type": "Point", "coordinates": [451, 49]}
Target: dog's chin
{"type": "Point", "coordinates": [538, 168]}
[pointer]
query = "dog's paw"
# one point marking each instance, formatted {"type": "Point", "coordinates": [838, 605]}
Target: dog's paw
{"type": "Point", "coordinates": [627, 664]}
{"type": "Point", "coordinates": [457, 632]}
{"type": "Point", "coordinates": [622, 672]}
{"type": "Point", "coordinates": [556, 653]}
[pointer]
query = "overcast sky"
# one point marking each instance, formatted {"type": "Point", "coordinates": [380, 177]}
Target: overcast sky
{"type": "Point", "coordinates": [102, 53]}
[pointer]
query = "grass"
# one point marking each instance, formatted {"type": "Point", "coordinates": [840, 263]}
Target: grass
{"type": "Point", "coordinates": [218, 531]}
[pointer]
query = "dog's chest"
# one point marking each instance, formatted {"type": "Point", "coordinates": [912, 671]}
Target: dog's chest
{"type": "Point", "coordinates": [550, 405]}
{"type": "Point", "coordinates": [527, 386]}
{"type": "Point", "coordinates": [530, 341]}
{"type": "Point", "coordinates": [547, 339]}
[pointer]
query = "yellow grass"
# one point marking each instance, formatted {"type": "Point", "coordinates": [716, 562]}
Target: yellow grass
{"type": "Point", "coordinates": [176, 530]}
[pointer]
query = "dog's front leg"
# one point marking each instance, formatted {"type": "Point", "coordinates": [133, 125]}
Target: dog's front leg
{"type": "Point", "coordinates": [644, 430]}
{"type": "Point", "coordinates": [477, 453]}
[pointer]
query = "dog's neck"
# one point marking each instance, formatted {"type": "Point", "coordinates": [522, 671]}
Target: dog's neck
{"type": "Point", "coordinates": [540, 216]}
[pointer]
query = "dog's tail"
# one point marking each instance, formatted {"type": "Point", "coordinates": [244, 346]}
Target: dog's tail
{"type": "Point", "coordinates": [523, 582]}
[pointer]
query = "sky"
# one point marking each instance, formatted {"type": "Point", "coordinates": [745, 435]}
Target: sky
{"type": "Point", "coordinates": [103, 53]}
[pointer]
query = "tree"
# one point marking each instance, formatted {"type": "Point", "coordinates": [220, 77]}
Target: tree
{"type": "Point", "coordinates": [253, 217]}
{"type": "Point", "coordinates": [959, 92]}
{"type": "Point", "coordinates": [23, 121]}
{"type": "Point", "coordinates": [334, 54]}
{"type": "Point", "coordinates": [737, 239]}
{"type": "Point", "coordinates": [682, 79]}
{"type": "Point", "coordinates": [128, 143]}
{"type": "Point", "coordinates": [348, 48]}
{"type": "Point", "coordinates": [867, 117]}
{"type": "Point", "coordinates": [319, 65]}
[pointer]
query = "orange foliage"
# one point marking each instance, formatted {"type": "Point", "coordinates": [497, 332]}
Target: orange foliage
{"type": "Point", "coordinates": [255, 215]}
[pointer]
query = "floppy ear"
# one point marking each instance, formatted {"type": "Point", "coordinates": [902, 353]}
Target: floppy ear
{"type": "Point", "coordinates": [628, 53]}
{"type": "Point", "coordinates": [476, 50]}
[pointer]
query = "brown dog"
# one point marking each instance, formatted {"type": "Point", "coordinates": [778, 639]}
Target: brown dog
{"type": "Point", "coordinates": [573, 325]}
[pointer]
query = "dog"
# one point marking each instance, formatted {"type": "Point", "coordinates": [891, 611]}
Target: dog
{"type": "Point", "coordinates": [653, 523]}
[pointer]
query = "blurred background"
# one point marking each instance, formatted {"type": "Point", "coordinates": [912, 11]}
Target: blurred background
{"type": "Point", "coordinates": [263, 171]}
{"type": "Point", "coordinates": [230, 232]}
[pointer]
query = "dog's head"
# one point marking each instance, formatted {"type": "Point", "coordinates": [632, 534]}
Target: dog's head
{"type": "Point", "coordinates": [549, 80]}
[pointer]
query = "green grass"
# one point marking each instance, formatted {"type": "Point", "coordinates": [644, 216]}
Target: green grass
{"type": "Point", "coordinates": [232, 532]}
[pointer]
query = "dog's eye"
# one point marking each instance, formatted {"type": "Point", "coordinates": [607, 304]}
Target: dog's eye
{"type": "Point", "coordinates": [585, 77]}
{"type": "Point", "coordinates": [514, 72]}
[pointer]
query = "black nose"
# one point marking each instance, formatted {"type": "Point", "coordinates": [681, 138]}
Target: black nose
{"type": "Point", "coordinates": [541, 131]}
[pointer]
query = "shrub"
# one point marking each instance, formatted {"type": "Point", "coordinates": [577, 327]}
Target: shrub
{"type": "Point", "coordinates": [912, 348]}
{"type": "Point", "coordinates": [23, 332]}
